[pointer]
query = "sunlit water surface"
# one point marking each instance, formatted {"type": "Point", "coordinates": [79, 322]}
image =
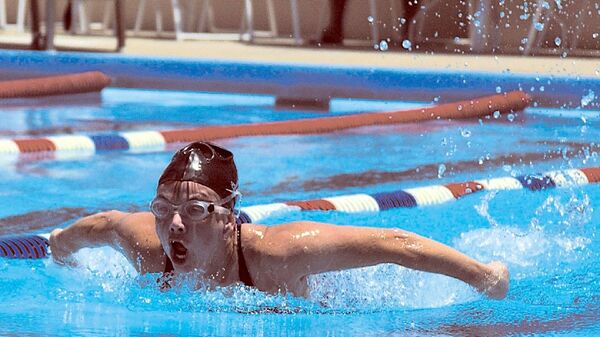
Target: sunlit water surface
{"type": "Point", "coordinates": [548, 238]}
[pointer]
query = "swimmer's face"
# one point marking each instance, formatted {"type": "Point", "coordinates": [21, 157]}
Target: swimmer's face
{"type": "Point", "coordinates": [192, 245]}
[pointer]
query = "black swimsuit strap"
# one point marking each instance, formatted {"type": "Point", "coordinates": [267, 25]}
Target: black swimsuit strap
{"type": "Point", "coordinates": [243, 269]}
{"type": "Point", "coordinates": [168, 265]}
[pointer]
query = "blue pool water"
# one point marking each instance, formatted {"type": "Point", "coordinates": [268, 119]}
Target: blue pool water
{"type": "Point", "coordinates": [547, 238]}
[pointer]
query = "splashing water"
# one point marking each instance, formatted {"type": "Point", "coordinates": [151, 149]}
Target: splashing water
{"type": "Point", "coordinates": [383, 45]}
{"type": "Point", "coordinates": [381, 287]}
{"type": "Point", "coordinates": [588, 98]}
{"type": "Point", "coordinates": [557, 41]}
{"type": "Point", "coordinates": [539, 26]}
{"type": "Point", "coordinates": [560, 232]}
{"type": "Point", "coordinates": [441, 170]}
{"type": "Point", "coordinates": [386, 287]}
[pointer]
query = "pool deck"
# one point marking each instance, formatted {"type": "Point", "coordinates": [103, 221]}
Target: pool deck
{"type": "Point", "coordinates": [585, 67]}
{"type": "Point", "coordinates": [277, 51]}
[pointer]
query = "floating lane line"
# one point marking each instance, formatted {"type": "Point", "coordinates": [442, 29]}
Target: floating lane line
{"type": "Point", "coordinates": [145, 141]}
{"type": "Point", "coordinates": [424, 196]}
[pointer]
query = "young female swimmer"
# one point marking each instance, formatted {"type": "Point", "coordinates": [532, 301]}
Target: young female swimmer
{"type": "Point", "coordinates": [192, 228]}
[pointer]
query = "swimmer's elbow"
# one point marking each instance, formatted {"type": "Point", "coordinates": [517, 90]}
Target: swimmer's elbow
{"type": "Point", "coordinates": [101, 228]}
{"type": "Point", "coordinates": [91, 231]}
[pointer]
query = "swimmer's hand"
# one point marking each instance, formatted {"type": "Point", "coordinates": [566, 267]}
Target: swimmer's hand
{"type": "Point", "coordinates": [61, 254]}
{"type": "Point", "coordinates": [496, 282]}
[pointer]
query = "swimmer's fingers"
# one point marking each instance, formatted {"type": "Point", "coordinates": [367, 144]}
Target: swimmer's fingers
{"type": "Point", "coordinates": [497, 282]}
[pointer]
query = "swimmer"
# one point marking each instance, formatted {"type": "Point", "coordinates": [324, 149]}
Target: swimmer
{"type": "Point", "coordinates": [192, 228]}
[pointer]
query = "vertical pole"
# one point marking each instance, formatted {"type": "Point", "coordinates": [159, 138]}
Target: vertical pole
{"type": "Point", "coordinates": [375, 23]}
{"type": "Point", "coordinates": [50, 17]}
{"type": "Point", "coordinates": [36, 37]}
{"type": "Point", "coordinates": [296, 22]}
{"type": "Point", "coordinates": [119, 24]}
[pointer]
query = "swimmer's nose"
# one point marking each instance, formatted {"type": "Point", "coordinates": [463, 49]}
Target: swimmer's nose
{"type": "Point", "coordinates": [177, 225]}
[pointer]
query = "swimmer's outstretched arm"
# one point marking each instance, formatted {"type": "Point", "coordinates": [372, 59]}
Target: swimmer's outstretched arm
{"type": "Point", "coordinates": [132, 234]}
{"type": "Point", "coordinates": [312, 248]}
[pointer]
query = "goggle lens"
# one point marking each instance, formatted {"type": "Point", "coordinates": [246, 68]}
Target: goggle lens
{"type": "Point", "coordinates": [194, 209]}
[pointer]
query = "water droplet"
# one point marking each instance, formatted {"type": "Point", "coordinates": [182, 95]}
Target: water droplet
{"type": "Point", "coordinates": [370, 19]}
{"type": "Point", "coordinates": [595, 35]}
{"type": "Point", "coordinates": [557, 41]}
{"type": "Point", "coordinates": [507, 168]}
{"type": "Point", "coordinates": [510, 117]}
{"type": "Point", "coordinates": [383, 45]}
{"type": "Point", "coordinates": [542, 88]}
{"type": "Point", "coordinates": [588, 98]}
{"type": "Point", "coordinates": [539, 26]}
{"type": "Point", "coordinates": [441, 170]}
{"type": "Point", "coordinates": [406, 44]}
{"type": "Point", "coordinates": [558, 4]}
{"type": "Point", "coordinates": [545, 5]}
{"type": "Point", "coordinates": [584, 129]}
{"type": "Point", "coordinates": [496, 114]}
{"type": "Point", "coordinates": [465, 133]}
{"type": "Point", "coordinates": [498, 89]}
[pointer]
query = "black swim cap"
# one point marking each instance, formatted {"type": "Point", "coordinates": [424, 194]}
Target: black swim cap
{"type": "Point", "coordinates": [203, 163]}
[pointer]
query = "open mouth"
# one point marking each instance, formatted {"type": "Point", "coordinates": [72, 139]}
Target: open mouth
{"type": "Point", "coordinates": [178, 252]}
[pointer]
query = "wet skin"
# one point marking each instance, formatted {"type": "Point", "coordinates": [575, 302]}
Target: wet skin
{"type": "Point", "coordinates": [279, 258]}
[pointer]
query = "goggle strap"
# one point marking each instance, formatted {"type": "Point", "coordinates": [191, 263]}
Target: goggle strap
{"type": "Point", "coordinates": [234, 194]}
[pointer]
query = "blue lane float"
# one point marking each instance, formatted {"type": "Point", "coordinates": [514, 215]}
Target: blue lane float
{"type": "Point", "coordinates": [24, 247]}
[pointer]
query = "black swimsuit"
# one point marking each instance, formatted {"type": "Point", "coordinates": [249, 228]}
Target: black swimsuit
{"type": "Point", "coordinates": [243, 273]}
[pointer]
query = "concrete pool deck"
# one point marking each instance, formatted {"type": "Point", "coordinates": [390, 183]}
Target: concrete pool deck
{"type": "Point", "coordinates": [278, 51]}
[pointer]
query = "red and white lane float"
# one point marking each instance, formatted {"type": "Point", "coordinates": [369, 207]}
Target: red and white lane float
{"type": "Point", "coordinates": [36, 246]}
{"type": "Point", "coordinates": [424, 196]}
{"type": "Point", "coordinates": [142, 141]}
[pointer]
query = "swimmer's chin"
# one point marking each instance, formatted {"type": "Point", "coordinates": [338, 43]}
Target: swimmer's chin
{"type": "Point", "coordinates": [187, 267]}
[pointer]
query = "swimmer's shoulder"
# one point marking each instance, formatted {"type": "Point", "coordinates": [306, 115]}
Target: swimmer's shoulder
{"type": "Point", "coordinates": [277, 241]}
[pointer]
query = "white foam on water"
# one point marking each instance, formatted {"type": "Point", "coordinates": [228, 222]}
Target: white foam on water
{"type": "Point", "coordinates": [526, 253]}
{"type": "Point", "coordinates": [385, 287]}
{"type": "Point", "coordinates": [560, 232]}
{"type": "Point", "coordinates": [104, 261]}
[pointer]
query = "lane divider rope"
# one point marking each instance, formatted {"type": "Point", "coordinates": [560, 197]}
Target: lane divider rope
{"type": "Point", "coordinates": [91, 81]}
{"type": "Point", "coordinates": [145, 141]}
{"type": "Point", "coordinates": [423, 196]}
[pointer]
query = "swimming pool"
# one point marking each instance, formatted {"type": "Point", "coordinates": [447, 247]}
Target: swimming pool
{"type": "Point", "coordinates": [547, 238]}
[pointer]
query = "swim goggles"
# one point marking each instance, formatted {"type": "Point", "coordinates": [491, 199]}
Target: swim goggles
{"type": "Point", "coordinates": [195, 210]}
